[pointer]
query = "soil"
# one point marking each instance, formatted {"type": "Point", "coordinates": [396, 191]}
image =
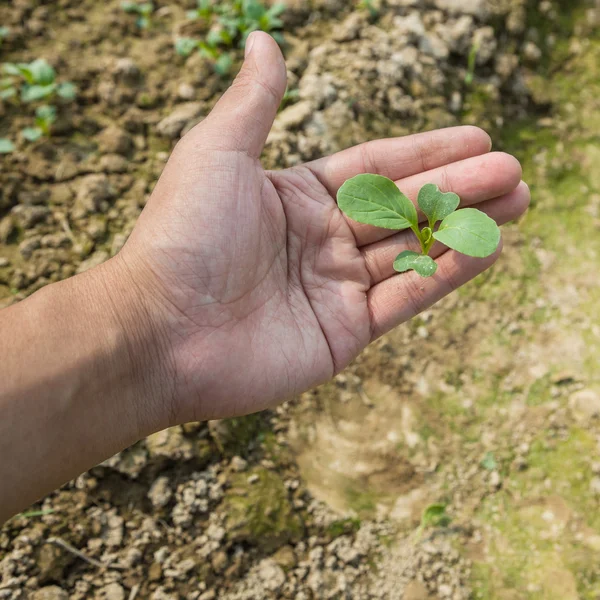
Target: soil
{"type": "Point", "coordinates": [489, 403]}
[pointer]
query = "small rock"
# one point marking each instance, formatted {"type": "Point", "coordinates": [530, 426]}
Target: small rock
{"type": "Point", "coordinates": [293, 116]}
{"type": "Point", "coordinates": [27, 246]}
{"type": "Point", "coordinates": [434, 46]}
{"type": "Point", "coordinates": [285, 557]}
{"type": "Point", "coordinates": [173, 125]}
{"type": "Point", "coordinates": [253, 479]}
{"type": "Point", "coordinates": [495, 480]}
{"type": "Point", "coordinates": [4, 262]}
{"type": "Point", "coordinates": [585, 404]}
{"type": "Point", "coordinates": [595, 486]}
{"type": "Point", "coordinates": [93, 261]}
{"type": "Point", "coordinates": [210, 595]}
{"type": "Point", "coordinates": [160, 493]}
{"type": "Point", "coordinates": [485, 40]}
{"type": "Point", "coordinates": [271, 574]}
{"type": "Point", "coordinates": [92, 192]}
{"type": "Point", "coordinates": [126, 71]}
{"type": "Point", "coordinates": [238, 464]}
{"type": "Point", "coordinates": [186, 91]}
{"type": "Point", "coordinates": [477, 8]}
{"type": "Point", "coordinates": [219, 561]}
{"type": "Point", "coordinates": [52, 592]}
{"type": "Point", "coordinates": [112, 591]}
{"type": "Point", "coordinates": [415, 590]}
{"type": "Point", "coordinates": [113, 163]}
{"type": "Point", "coordinates": [114, 140]}
{"type": "Point", "coordinates": [532, 53]}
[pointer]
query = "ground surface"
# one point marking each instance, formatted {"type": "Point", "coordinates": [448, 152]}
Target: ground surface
{"type": "Point", "coordinates": [489, 403]}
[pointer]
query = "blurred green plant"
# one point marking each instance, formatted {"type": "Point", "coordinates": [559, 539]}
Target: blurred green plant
{"type": "Point", "coordinates": [45, 117]}
{"type": "Point", "coordinates": [35, 81]}
{"type": "Point", "coordinates": [143, 10]}
{"type": "Point", "coordinates": [230, 24]}
{"type": "Point", "coordinates": [434, 515]}
{"type": "Point", "coordinates": [4, 31]}
{"type": "Point", "coordinates": [371, 6]}
{"type": "Point", "coordinates": [6, 146]}
{"type": "Point", "coordinates": [472, 64]}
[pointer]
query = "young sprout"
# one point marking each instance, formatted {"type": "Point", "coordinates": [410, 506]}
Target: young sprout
{"type": "Point", "coordinates": [45, 116]}
{"type": "Point", "coordinates": [376, 200]}
{"type": "Point", "coordinates": [143, 10]}
{"type": "Point", "coordinates": [370, 6]}
{"type": "Point", "coordinates": [37, 81]}
{"type": "Point", "coordinates": [230, 24]}
{"type": "Point", "coordinates": [6, 146]}
{"type": "Point", "coordinates": [434, 515]}
{"type": "Point", "coordinates": [470, 76]}
{"type": "Point", "coordinates": [4, 32]}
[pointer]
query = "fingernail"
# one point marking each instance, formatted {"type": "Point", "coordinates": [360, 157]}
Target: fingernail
{"type": "Point", "coordinates": [249, 44]}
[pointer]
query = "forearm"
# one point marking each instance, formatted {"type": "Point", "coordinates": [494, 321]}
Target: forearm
{"type": "Point", "coordinates": [72, 389]}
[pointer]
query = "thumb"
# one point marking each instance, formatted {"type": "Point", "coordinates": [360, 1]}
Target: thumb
{"type": "Point", "coordinates": [243, 117]}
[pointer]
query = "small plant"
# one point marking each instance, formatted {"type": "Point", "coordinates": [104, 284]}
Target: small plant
{"type": "Point", "coordinates": [230, 25]}
{"type": "Point", "coordinates": [35, 80]}
{"type": "Point", "coordinates": [376, 200]}
{"type": "Point", "coordinates": [489, 462]}
{"type": "Point", "coordinates": [370, 6]}
{"type": "Point", "coordinates": [434, 515]}
{"type": "Point", "coordinates": [6, 146]}
{"type": "Point", "coordinates": [143, 10]}
{"type": "Point", "coordinates": [472, 63]}
{"type": "Point", "coordinates": [45, 117]}
{"type": "Point", "coordinates": [4, 31]}
{"type": "Point", "coordinates": [290, 97]}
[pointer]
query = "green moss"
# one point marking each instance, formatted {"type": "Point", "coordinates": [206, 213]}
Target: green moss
{"type": "Point", "coordinates": [261, 513]}
{"type": "Point", "coordinates": [343, 527]}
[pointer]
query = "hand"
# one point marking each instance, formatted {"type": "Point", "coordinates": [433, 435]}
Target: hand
{"type": "Point", "coordinates": [256, 285]}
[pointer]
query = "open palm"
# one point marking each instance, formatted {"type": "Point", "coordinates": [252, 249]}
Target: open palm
{"type": "Point", "coordinates": [259, 286]}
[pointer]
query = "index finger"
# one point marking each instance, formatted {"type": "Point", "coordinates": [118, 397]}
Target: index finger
{"type": "Point", "coordinates": [397, 158]}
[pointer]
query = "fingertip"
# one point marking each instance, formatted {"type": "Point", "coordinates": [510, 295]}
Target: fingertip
{"type": "Point", "coordinates": [479, 137]}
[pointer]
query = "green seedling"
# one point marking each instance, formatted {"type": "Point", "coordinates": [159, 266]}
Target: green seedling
{"type": "Point", "coordinates": [6, 146]}
{"type": "Point", "coordinates": [4, 32]}
{"type": "Point", "coordinates": [434, 515]}
{"type": "Point", "coordinates": [36, 81]}
{"type": "Point", "coordinates": [370, 6]}
{"type": "Point", "coordinates": [290, 97]}
{"type": "Point", "coordinates": [230, 25]}
{"type": "Point", "coordinates": [472, 63]}
{"type": "Point", "coordinates": [489, 462]}
{"type": "Point", "coordinates": [376, 200]}
{"type": "Point", "coordinates": [143, 10]}
{"type": "Point", "coordinates": [45, 117]}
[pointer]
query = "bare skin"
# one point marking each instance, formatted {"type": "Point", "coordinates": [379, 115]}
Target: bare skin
{"type": "Point", "coordinates": [238, 288]}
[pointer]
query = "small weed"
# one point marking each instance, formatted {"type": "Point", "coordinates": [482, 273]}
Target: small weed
{"type": "Point", "coordinates": [6, 146]}
{"type": "Point", "coordinates": [434, 515]}
{"type": "Point", "coordinates": [371, 6]}
{"type": "Point", "coordinates": [472, 63]}
{"type": "Point", "coordinates": [376, 200]}
{"type": "Point", "coordinates": [143, 10]}
{"type": "Point", "coordinates": [35, 81]}
{"type": "Point", "coordinates": [230, 25]}
{"type": "Point", "coordinates": [4, 32]}
{"type": "Point", "coordinates": [45, 116]}
{"type": "Point", "coordinates": [489, 462]}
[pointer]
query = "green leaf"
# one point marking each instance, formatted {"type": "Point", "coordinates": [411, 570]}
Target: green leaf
{"type": "Point", "coordinates": [67, 90]}
{"type": "Point", "coordinates": [470, 232]}
{"type": "Point", "coordinates": [32, 93]}
{"type": "Point", "coordinates": [425, 266]}
{"type": "Point", "coordinates": [42, 72]}
{"type": "Point", "coordinates": [435, 204]}
{"type": "Point", "coordinates": [224, 64]}
{"type": "Point", "coordinates": [6, 146]}
{"type": "Point", "coordinates": [489, 462]}
{"type": "Point", "coordinates": [185, 46]}
{"type": "Point", "coordinates": [11, 69]}
{"type": "Point", "coordinates": [8, 93]}
{"type": "Point", "coordinates": [376, 200]}
{"type": "Point", "coordinates": [435, 515]}
{"type": "Point", "coordinates": [32, 134]}
{"type": "Point", "coordinates": [129, 7]}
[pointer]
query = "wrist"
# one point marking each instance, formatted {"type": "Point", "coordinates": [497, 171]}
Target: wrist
{"type": "Point", "coordinates": [136, 351]}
